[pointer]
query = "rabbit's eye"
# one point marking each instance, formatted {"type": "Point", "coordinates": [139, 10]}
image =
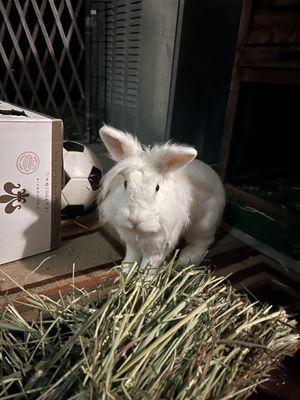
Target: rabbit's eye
{"type": "Point", "coordinates": [125, 184]}
{"type": "Point", "coordinates": [157, 188]}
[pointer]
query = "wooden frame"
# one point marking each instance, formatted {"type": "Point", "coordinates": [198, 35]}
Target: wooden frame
{"type": "Point", "coordinates": [264, 64]}
{"type": "Point", "coordinates": [34, 62]}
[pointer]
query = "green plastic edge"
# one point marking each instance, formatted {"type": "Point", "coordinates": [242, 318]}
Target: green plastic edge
{"type": "Point", "coordinates": [263, 228]}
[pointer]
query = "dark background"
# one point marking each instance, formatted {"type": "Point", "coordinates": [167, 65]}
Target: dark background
{"type": "Point", "coordinates": [209, 34]}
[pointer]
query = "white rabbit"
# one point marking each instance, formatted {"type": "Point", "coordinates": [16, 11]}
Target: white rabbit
{"type": "Point", "coordinates": [153, 196]}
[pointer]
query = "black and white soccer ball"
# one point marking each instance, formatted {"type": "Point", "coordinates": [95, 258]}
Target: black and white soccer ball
{"type": "Point", "coordinates": [82, 176]}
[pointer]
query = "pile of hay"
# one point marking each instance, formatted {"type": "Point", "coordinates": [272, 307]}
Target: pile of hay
{"type": "Point", "coordinates": [181, 335]}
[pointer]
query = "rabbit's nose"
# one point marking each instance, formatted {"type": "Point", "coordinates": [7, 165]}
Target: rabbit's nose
{"type": "Point", "coordinates": [134, 220]}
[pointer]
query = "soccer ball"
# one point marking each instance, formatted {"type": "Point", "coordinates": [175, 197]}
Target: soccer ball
{"type": "Point", "coordinates": [82, 176]}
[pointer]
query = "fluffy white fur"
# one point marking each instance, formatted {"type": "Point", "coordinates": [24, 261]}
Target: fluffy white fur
{"type": "Point", "coordinates": [152, 196]}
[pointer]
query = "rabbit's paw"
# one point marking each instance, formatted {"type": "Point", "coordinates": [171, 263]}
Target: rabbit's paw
{"type": "Point", "coordinates": [126, 267]}
{"type": "Point", "coordinates": [191, 255]}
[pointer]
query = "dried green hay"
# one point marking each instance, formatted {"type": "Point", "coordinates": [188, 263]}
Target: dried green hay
{"type": "Point", "coordinates": [183, 334]}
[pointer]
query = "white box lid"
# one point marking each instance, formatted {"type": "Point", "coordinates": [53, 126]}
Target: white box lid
{"type": "Point", "coordinates": [26, 115]}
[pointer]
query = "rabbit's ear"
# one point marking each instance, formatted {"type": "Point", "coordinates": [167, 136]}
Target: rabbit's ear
{"type": "Point", "coordinates": [119, 144]}
{"type": "Point", "coordinates": [174, 157]}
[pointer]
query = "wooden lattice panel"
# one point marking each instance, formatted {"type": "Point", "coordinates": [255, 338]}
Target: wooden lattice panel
{"type": "Point", "coordinates": [42, 58]}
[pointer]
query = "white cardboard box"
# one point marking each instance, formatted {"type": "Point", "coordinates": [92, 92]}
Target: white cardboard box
{"type": "Point", "coordinates": [30, 182]}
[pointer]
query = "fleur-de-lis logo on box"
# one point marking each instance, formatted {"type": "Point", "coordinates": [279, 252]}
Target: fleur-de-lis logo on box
{"type": "Point", "coordinates": [14, 197]}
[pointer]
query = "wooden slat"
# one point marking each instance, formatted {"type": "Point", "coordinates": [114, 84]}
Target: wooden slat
{"type": "Point", "coordinates": [47, 54]}
{"type": "Point", "coordinates": [55, 62]}
{"type": "Point", "coordinates": [266, 56]}
{"type": "Point", "coordinates": [3, 92]}
{"type": "Point", "coordinates": [271, 75]}
{"type": "Point", "coordinates": [73, 26]}
{"type": "Point", "coordinates": [275, 65]}
{"type": "Point", "coordinates": [13, 50]}
{"type": "Point", "coordinates": [29, 53]}
{"type": "Point", "coordinates": [234, 92]}
{"type": "Point", "coordinates": [19, 53]}
{"type": "Point", "coordinates": [19, 96]}
{"type": "Point", "coordinates": [74, 15]}
{"type": "Point", "coordinates": [278, 3]}
{"type": "Point", "coordinates": [31, 46]}
{"type": "Point", "coordinates": [66, 48]}
{"type": "Point", "coordinates": [2, 32]}
{"type": "Point", "coordinates": [273, 25]}
{"type": "Point", "coordinates": [87, 73]}
{"type": "Point", "coordinates": [35, 51]}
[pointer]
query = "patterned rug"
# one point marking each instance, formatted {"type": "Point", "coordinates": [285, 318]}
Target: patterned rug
{"type": "Point", "coordinates": [88, 252]}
